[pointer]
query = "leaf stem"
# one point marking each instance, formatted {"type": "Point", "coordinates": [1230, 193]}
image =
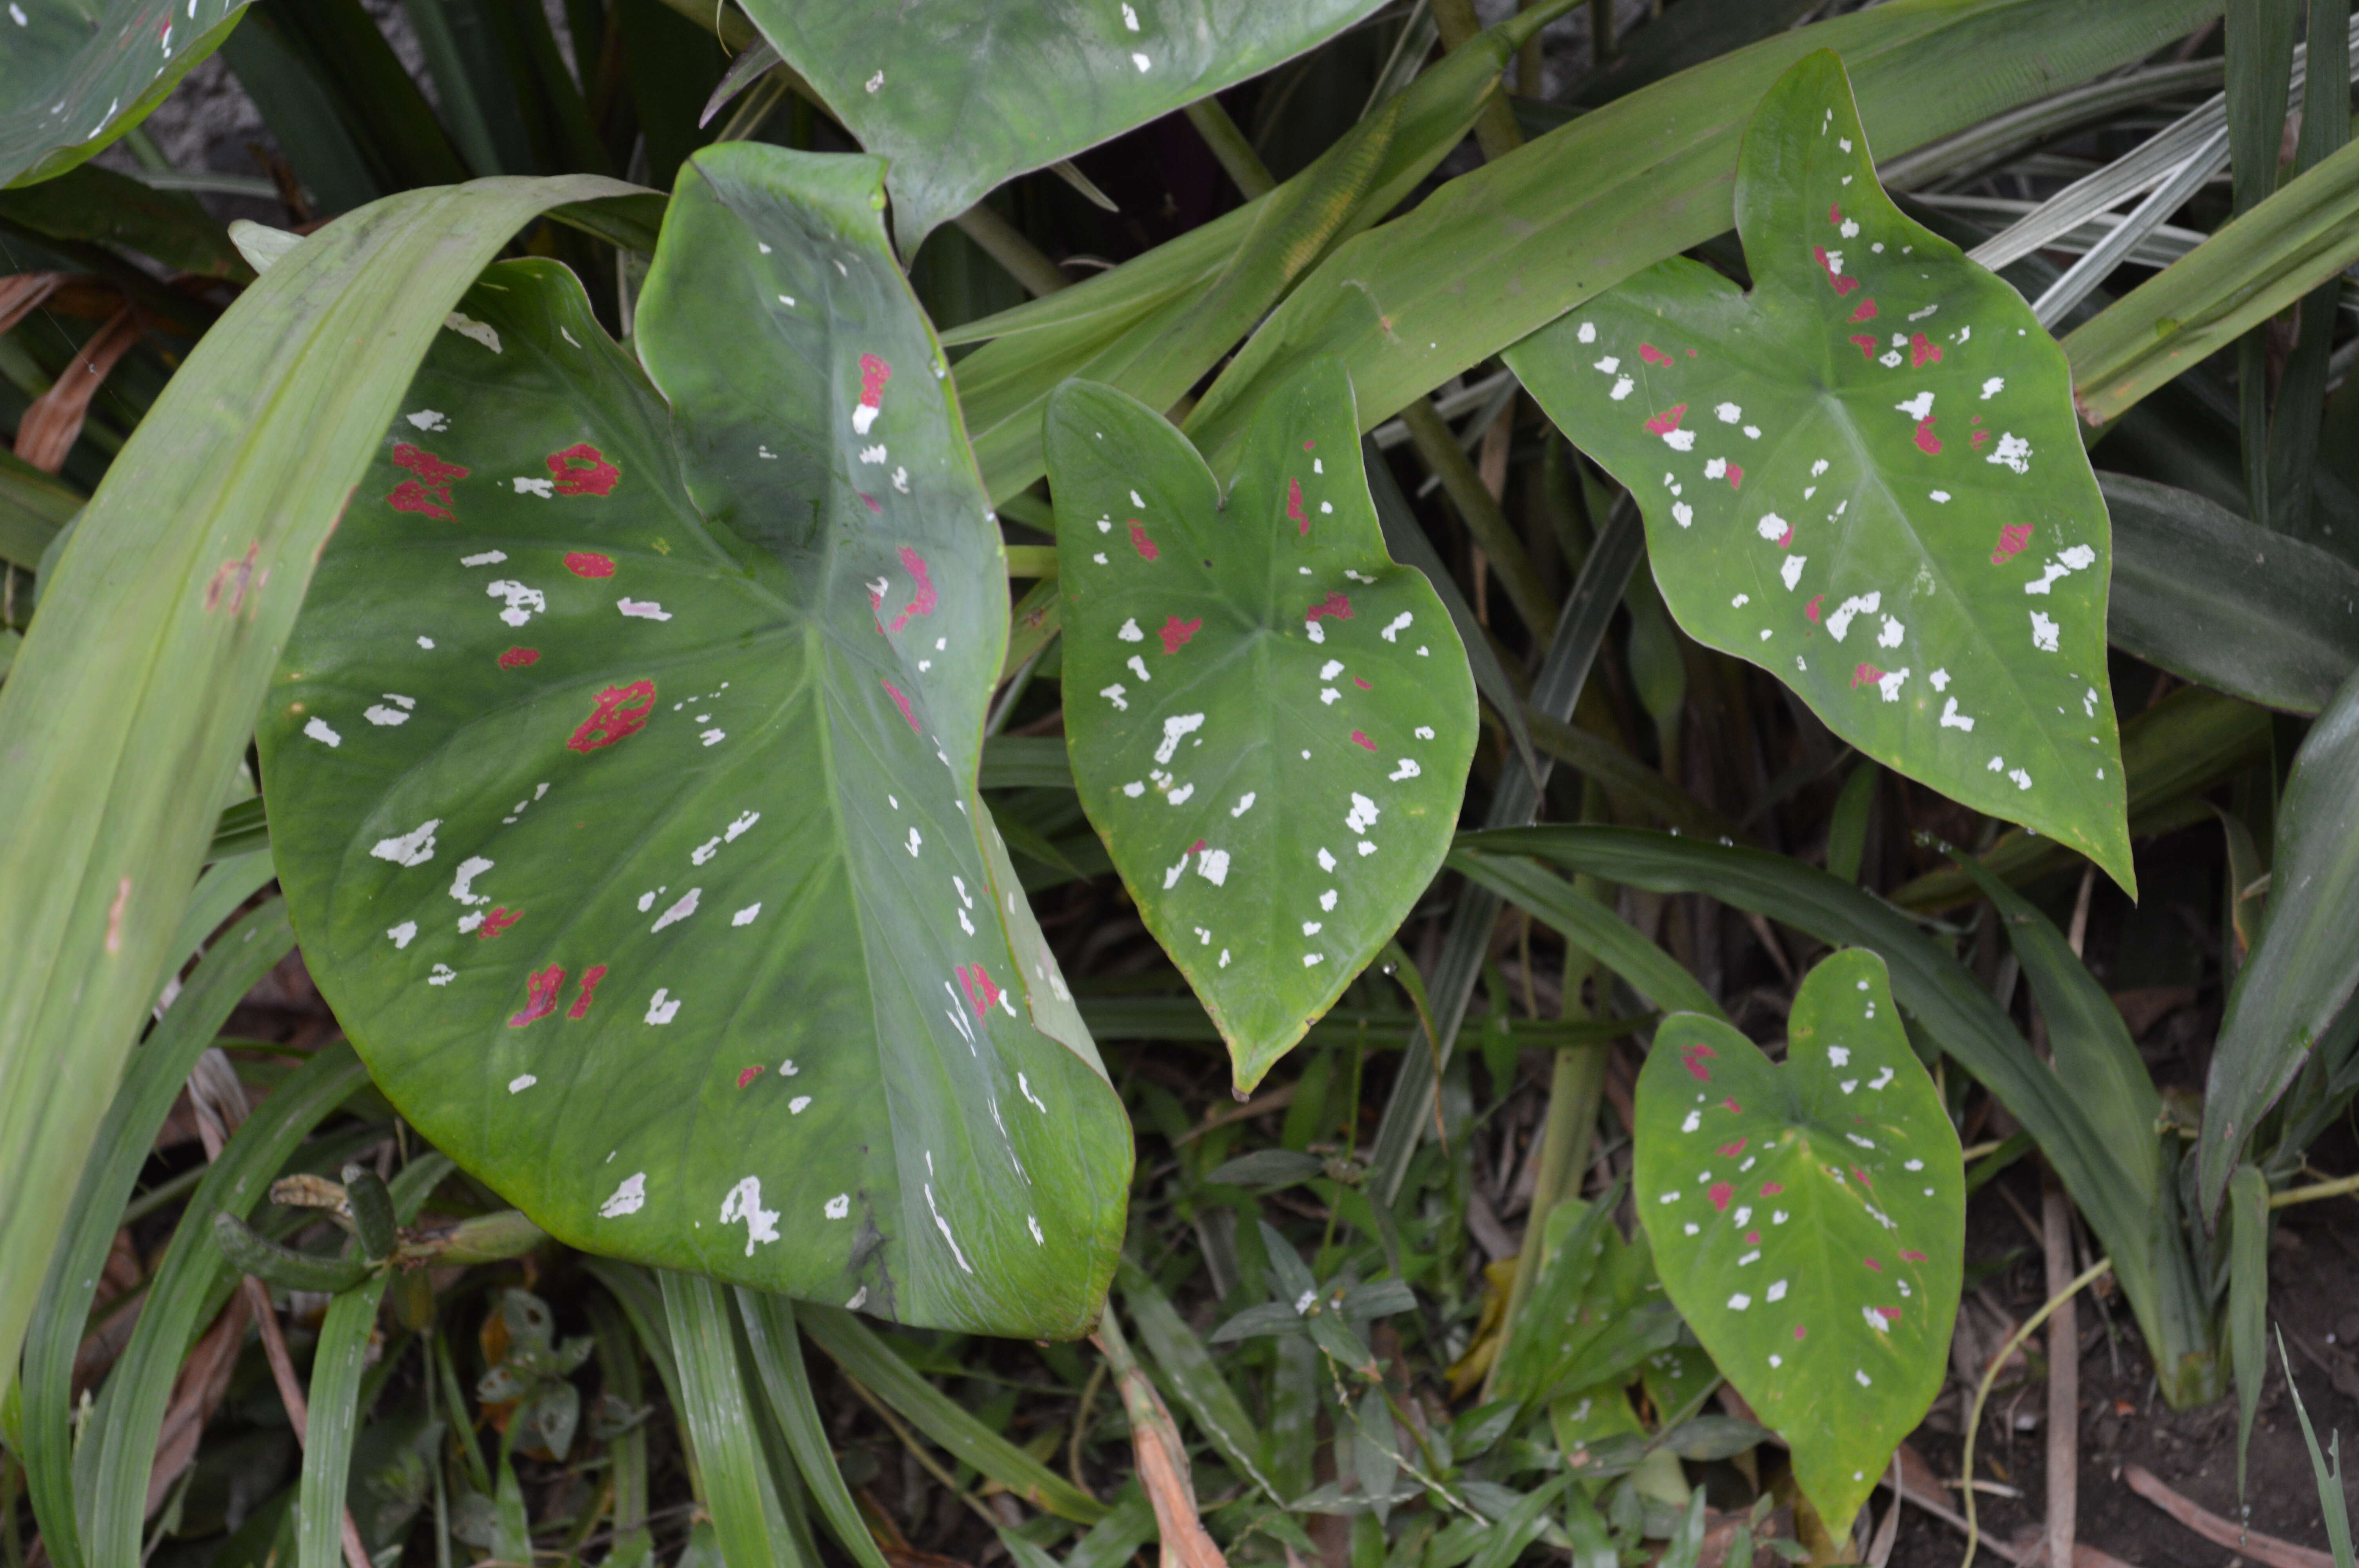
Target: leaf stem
{"type": "Point", "coordinates": [1005, 244]}
{"type": "Point", "coordinates": [1228, 145]}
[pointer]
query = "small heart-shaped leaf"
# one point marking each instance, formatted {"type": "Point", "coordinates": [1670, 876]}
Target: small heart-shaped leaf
{"type": "Point", "coordinates": [1865, 477]}
{"type": "Point", "coordinates": [1809, 1220]}
{"type": "Point", "coordinates": [1270, 721]}
{"type": "Point", "coordinates": [623, 779]}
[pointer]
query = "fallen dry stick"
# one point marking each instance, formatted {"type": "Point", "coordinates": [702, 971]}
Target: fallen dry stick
{"type": "Point", "coordinates": [2249, 1544]}
{"type": "Point", "coordinates": [1162, 1459]}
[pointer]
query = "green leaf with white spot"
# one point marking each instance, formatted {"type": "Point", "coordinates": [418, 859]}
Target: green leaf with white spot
{"type": "Point", "coordinates": [622, 771]}
{"type": "Point", "coordinates": [1270, 721]}
{"type": "Point", "coordinates": [74, 76]}
{"type": "Point", "coordinates": [963, 94]}
{"type": "Point", "coordinates": [1864, 476]}
{"type": "Point", "coordinates": [1809, 1220]}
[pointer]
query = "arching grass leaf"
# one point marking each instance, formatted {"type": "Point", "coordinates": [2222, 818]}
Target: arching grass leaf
{"type": "Point", "coordinates": [1864, 476]}
{"type": "Point", "coordinates": [962, 94]}
{"type": "Point", "coordinates": [1270, 722]}
{"type": "Point", "coordinates": [73, 77]}
{"type": "Point", "coordinates": [1809, 1220]}
{"type": "Point", "coordinates": [626, 761]}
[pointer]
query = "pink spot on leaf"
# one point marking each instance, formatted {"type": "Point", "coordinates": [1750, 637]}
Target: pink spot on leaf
{"type": "Point", "coordinates": [1811, 609]}
{"type": "Point", "coordinates": [517, 658]}
{"type": "Point", "coordinates": [1692, 1057]}
{"type": "Point", "coordinates": [1733, 1108]}
{"type": "Point", "coordinates": [874, 373]}
{"type": "Point", "coordinates": [1872, 1264]}
{"type": "Point", "coordinates": [1736, 477]}
{"type": "Point", "coordinates": [1800, 1332]}
{"type": "Point", "coordinates": [1753, 1239]}
{"type": "Point", "coordinates": [1666, 422]}
{"type": "Point", "coordinates": [499, 920]}
{"type": "Point", "coordinates": [749, 1074]}
{"type": "Point", "coordinates": [616, 712]}
{"type": "Point", "coordinates": [1866, 675]}
{"type": "Point", "coordinates": [871, 502]}
{"type": "Point", "coordinates": [589, 563]}
{"type": "Point", "coordinates": [1866, 345]}
{"type": "Point", "coordinates": [590, 979]}
{"type": "Point", "coordinates": [922, 599]}
{"type": "Point", "coordinates": [1842, 285]}
{"type": "Point", "coordinates": [1922, 350]}
{"type": "Point", "coordinates": [1140, 542]}
{"type": "Point", "coordinates": [1335, 604]}
{"type": "Point", "coordinates": [1771, 1189]}
{"type": "Point", "coordinates": [582, 470]}
{"type": "Point", "coordinates": [412, 496]}
{"type": "Point", "coordinates": [540, 995]}
{"type": "Point", "coordinates": [1927, 442]}
{"type": "Point", "coordinates": [1359, 738]}
{"type": "Point", "coordinates": [1721, 1194]}
{"type": "Point", "coordinates": [902, 703]}
{"type": "Point", "coordinates": [1653, 356]}
{"type": "Point", "coordinates": [1294, 512]}
{"type": "Point", "coordinates": [1864, 311]}
{"type": "Point", "coordinates": [1176, 632]}
{"type": "Point", "coordinates": [431, 472]}
{"type": "Point", "coordinates": [1835, 211]}
{"type": "Point", "coordinates": [2012, 538]}
{"type": "Point", "coordinates": [1890, 1314]}
{"type": "Point", "coordinates": [1909, 1257]}
{"type": "Point", "coordinates": [1730, 1151]}
{"type": "Point", "coordinates": [980, 992]}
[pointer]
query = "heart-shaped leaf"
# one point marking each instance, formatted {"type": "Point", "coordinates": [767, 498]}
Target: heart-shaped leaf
{"type": "Point", "coordinates": [1877, 443]}
{"type": "Point", "coordinates": [623, 767]}
{"type": "Point", "coordinates": [962, 94]}
{"type": "Point", "coordinates": [1809, 1220]}
{"type": "Point", "coordinates": [1270, 722]}
{"type": "Point", "coordinates": [73, 78]}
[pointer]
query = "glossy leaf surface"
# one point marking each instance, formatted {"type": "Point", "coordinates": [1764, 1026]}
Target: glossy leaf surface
{"type": "Point", "coordinates": [75, 76]}
{"type": "Point", "coordinates": [625, 762]}
{"type": "Point", "coordinates": [2305, 968]}
{"type": "Point", "coordinates": [962, 94]}
{"type": "Point", "coordinates": [1809, 1219]}
{"type": "Point", "coordinates": [1269, 720]}
{"type": "Point", "coordinates": [1864, 477]}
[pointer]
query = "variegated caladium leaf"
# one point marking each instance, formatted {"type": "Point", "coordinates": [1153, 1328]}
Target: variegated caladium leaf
{"type": "Point", "coordinates": [1864, 476]}
{"type": "Point", "coordinates": [1809, 1220]}
{"type": "Point", "coordinates": [75, 76]}
{"type": "Point", "coordinates": [1270, 721]}
{"type": "Point", "coordinates": [962, 94]}
{"type": "Point", "coordinates": [623, 771]}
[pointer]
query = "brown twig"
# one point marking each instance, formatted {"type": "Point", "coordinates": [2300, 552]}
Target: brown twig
{"type": "Point", "coordinates": [2063, 1378]}
{"type": "Point", "coordinates": [1162, 1458]}
{"type": "Point", "coordinates": [2244, 1542]}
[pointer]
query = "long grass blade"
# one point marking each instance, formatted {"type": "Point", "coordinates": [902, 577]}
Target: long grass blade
{"type": "Point", "coordinates": [722, 1423]}
{"type": "Point", "coordinates": [159, 1069]}
{"type": "Point", "coordinates": [777, 1343]}
{"type": "Point", "coordinates": [120, 1436]}
{"type": "Point", "coordinates": [337, 1364]}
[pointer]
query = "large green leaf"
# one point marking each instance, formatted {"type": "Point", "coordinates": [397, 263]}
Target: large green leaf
{"type": "Point", "coordinates": [2305, 967]}
{"type": "Point", "coordinates": [623, 773]}
{"type": "Point", "coordinates": [1270, 721]}
{"type": "Point", "coordinates": [75, 74]}
{"type": "Point", "coordinates": [1809, 1220]}
{"type": "Point", "coordinates": [1877, 442]}
{"type": "Point", "coordinates": [961, 95]}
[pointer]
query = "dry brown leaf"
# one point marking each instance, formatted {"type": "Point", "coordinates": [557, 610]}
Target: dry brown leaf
{"type": "Point", "coordinates": [52, 424]}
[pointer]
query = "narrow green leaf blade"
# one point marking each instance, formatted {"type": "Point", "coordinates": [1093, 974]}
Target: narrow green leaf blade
{"type": "Point", "coordinates": [1279, 784]}
{"type": "Point", "coordinates": [574, 819]}
{"type": "Point", "coordinates": [777, 1343]}
{"type": "Point", "coordinates": [720, 1420]}
{"type": "Point", "coordinates": [1809, 1220]}
{"type": "Point", "coordinates": [2248, 1299]}
{"type": "Point", "coordinates": [2306, 965]}
{"type": "Point", "coordinates": [967, 93]}
{"type": "Point", "coordinates": [1877, 442]}
{"type": "Point", "coordinates": [337, 1363]}
{"type": "Point", "coordinates": [2210, 597]}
